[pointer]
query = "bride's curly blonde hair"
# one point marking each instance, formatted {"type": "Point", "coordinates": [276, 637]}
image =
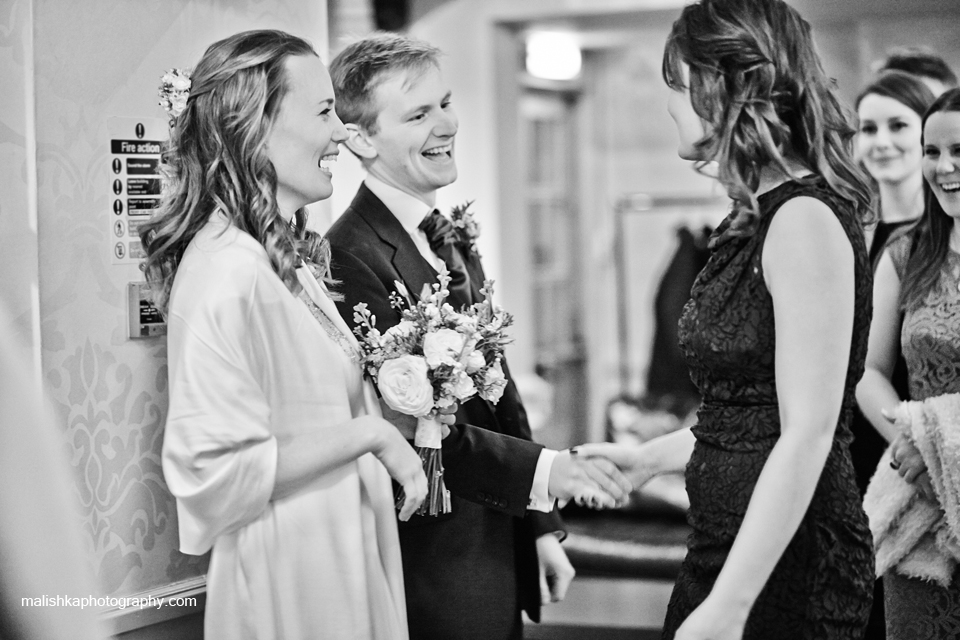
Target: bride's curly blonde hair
{"type": "Point", "coordinates": [216, 159]}
{"type": "Point", "coordinates": [756, 81]}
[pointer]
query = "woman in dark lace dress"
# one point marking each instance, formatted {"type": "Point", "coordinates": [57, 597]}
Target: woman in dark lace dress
{"type": "Point", "coordinates": [918, 280]}
{"type": "Point", "coordinates": [774, 334]}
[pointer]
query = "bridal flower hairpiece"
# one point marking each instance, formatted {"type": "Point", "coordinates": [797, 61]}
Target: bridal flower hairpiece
{"type": "Point", "coordinates": [174, 91]}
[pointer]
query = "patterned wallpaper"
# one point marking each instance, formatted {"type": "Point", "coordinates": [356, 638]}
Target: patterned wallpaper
{"type": "Point", "coordinates": [94, 60]}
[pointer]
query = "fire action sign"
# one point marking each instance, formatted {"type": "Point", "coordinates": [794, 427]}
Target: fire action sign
{"type": "Point", "coordinates": [135, 145]}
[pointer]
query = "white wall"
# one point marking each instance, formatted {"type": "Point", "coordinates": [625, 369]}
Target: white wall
{"type": "Point", "coordinates": [19, 265]}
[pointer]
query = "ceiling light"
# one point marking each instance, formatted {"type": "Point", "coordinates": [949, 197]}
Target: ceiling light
{"type": "Point", "coordinates": [553, 55]}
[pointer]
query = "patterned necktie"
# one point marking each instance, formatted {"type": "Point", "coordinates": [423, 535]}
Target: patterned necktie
{"type": "Point", "coordinates": [443, 241]}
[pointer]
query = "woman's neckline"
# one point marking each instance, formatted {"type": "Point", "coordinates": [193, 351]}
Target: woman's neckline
{"type": "Point", "coordinates": [785, 182]}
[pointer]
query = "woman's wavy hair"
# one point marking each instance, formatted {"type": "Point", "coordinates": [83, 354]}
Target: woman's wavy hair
{"type": "Point", "coordinates": [216, 159]}
{"type": "Point", "coordinates": [757, 83]}
{"type": "Point", "coordinates": [931, 236]}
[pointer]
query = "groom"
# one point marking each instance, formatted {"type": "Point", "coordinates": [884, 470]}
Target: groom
{"type": "Point", "coordinates": [469, 573]}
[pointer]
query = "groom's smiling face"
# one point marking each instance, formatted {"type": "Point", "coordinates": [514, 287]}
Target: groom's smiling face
{"type": "Point", "coordinates": [415, 133]}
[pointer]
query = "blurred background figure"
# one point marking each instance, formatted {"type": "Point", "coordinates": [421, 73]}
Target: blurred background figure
{"type": "Point", "coordinates": [41, 554]}
{"type": "Point", "coordinates": [888, 144]}
{"type": "Point", "coordinates": [917, 313]}
{"type": "Point", "coordinates": [922, 62]}
{"type": "Point", "coordinates": [889, 110]}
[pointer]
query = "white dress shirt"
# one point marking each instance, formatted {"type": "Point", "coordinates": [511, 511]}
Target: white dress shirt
{"type": "Point", "coordinates": [410, 212]}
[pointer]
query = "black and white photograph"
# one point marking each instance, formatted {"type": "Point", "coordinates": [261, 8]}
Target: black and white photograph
{"type": "Point", "coordinates": [480, 320]}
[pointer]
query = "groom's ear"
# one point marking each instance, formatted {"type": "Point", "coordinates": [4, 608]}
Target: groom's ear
{"type": "Point", "coordinates": [358, 141]}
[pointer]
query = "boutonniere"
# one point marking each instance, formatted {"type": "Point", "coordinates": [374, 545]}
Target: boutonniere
{"type": "Point", "coordinates": [174, 91]}
{"type": "Point", "coordinates": [468, 229]}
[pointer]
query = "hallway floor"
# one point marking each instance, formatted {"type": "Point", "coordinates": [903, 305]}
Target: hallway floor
{"type": "Point", "coordinates": [605, 609]}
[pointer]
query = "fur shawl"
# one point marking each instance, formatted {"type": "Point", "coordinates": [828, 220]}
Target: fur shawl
{"type": "Point", "coordinates": [912, 535]}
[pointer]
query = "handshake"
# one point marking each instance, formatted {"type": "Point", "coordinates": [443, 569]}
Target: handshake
{"type": "Point", "coordinates": [600, 476]}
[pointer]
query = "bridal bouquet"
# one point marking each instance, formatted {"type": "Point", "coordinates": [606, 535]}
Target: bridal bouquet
{"type": "Point", "coordinates": [433, 359]}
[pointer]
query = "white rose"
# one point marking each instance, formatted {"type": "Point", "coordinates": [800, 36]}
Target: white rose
{"type": "Point", "coordinates": [404, 385]}
{"type": "Point", "coordinates": [462, 387]}
{"type": "Point", "coordinates": [181, 83]}
{"type": "Point", "coordinates": [443, 346]}
{"type": "Point", "coordinates": [475, 362]}
{"type": "Point", "coordinates": [494, 382]}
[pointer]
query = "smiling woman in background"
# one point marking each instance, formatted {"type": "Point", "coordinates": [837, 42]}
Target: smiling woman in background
{"type": "Point", "coordinates": [888, 144]}
{"type": "Point", "coordinates": [889, 110]}
{"type": "Point", "coordinates": [918, 280]}
{"type": "Point", "coordinates": [270, 422]}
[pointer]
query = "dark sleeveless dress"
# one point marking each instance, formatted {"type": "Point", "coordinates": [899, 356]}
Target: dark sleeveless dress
{"type": "Point", "coordinates": [823, 584]}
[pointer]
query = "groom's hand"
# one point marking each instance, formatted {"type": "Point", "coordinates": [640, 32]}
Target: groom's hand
{"type": "Point", "coordinates": [595, 482]}
{"type": "Point", "coordinates": [556, 572]}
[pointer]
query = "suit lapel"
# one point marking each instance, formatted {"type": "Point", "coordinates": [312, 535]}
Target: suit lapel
{"type": "Point", "coordinates": [404, 255]}
{"type": "Point", "coordinates": [475, 269]}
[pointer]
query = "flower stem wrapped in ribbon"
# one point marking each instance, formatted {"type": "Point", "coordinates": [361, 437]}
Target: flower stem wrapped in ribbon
{"type": "Point", "coordinates": [434, 358]}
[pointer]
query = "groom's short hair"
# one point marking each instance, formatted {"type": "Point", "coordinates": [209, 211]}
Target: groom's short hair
{"type": "Point", "coordinates": [361, 66]}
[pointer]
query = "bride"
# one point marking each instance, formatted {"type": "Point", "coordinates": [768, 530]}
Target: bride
{"type": "Point", "coordinates": [270, 422]}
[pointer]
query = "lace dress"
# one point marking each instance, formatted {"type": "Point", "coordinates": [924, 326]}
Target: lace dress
{"type": "Point", "coordinates": [822, 586]}
{"type": "Point", "coordinates": [930, 339]}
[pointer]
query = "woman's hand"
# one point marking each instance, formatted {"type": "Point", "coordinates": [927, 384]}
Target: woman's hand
{"type": "Point", "coordinates": [403, 464]}
{"type": "Point", "coordinates": [407, 424]}
{"type": "Point", "coordinates": [908, 462]}
{"type": "Point", "coordinates": [714, 620]}
{"type": "Point", "coordinates": [632, 460]}
{"type": "Point", "coordinates": [448, 417]}
{"type": "Point", "coordinates": [907, 459]}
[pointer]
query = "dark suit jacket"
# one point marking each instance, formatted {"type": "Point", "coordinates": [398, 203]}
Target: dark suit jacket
{"type": "Point", "coordinates": [467, 573]}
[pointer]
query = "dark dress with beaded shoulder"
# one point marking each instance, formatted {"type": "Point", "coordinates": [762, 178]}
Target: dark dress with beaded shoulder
{"type": "Point", "coordinates": [822, 585]}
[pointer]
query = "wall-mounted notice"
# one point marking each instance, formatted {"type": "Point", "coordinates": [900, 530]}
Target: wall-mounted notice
{"type": "Point", "coordinates": [143, 319]}
{"type": "Point", "coordinates": [135, 145]}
